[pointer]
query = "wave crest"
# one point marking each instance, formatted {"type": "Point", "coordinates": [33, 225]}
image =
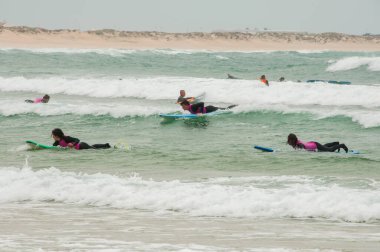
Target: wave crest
{"type": "Point", "coordinates": [304, 199]}
{"type": "Point", "coordinates": [349, 63]}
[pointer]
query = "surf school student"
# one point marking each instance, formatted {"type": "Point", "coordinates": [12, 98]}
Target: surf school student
{"type": "Point", "coordinates": [72, 142]}
{"type": "Point", "coordinates": [314, 146]}
{"type": "Point", "coordinates": [44, 99]}
{"type": "Point", "coordinates": [264, 80]}
{"type": "Point", "coordinates": [199, 108]}
{"type": "Point", "coordinates": [182, 97]}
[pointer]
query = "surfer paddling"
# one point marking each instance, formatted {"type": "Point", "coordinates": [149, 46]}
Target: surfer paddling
{"type": "Point", "coordinates": [44, 99]}
{"type": "Point", "coordinates": [199, 108]}
{"type": "Point", "coordinates": [314, 146]}
{"type": "Point", "coordinates": [72, 142]}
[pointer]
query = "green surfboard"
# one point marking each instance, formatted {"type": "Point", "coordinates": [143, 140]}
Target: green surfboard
{"type": "Point", "coordinates": [37, 146]}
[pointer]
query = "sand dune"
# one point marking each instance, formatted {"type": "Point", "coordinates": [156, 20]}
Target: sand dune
{"type": "Point", "coordinates": [28, 37]}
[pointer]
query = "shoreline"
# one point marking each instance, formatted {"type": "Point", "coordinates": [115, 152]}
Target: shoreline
{"type": "Point", "coordinates": [27, 37]}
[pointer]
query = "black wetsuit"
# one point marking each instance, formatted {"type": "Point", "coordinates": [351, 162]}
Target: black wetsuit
{"type": "Point", "coordinates": [82, 145]}
{"type": "Point", "coordinates": [200, 108]}
{"type": "Point", "coordinates": [331, 147]}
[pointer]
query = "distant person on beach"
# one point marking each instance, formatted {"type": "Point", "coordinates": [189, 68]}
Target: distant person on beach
{"type": "Point", "coordinates": [182, 97]}
{"type": "Point", "coordinates": [44, 99]}
{"type": "Point", "coordinates": [229, 76]}
{"type": "Point", "coordinates": [314, 146]}
{"type": "Point", "coordinates": [264, 80]}
{"type": "Point", "coordinates": [281, 79]}
{"type": "Point", "coordinates": [199, 108]}
{"type": "Point", "coordinates": [72, 142]}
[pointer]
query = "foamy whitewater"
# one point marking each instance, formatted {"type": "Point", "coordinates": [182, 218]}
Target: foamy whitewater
{"type": "Point", "coordinates": [189, 185]}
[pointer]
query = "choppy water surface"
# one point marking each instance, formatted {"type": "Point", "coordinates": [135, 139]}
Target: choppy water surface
{"type": "Point", "coordinates": [181, 185]}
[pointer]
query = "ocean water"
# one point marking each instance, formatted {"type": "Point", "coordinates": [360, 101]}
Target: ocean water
{"type": "Point", "coordinates": [189, 185]}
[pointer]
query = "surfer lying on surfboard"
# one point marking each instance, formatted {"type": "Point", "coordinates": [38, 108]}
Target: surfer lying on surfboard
{"type": "Point", "coordinates": [199, 108]}
{"type": "Point", "coordinates": [314, 146]}
{"type": "Point", "coordinates": [72, 142]}
{"type": "Point", "coordinates": [44, 99]}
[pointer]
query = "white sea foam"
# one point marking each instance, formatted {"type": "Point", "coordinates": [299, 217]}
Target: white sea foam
{"type": "Point", "coordinates": [312, 51]}
{"type": "Point", "coordinates": [372, 63]}
{"type": "Point", "coordinates": [115, 109]}
{"type": "Point", "coordinates": [359, 102]}
{"type": "Point", "coordinates": [300, 200]}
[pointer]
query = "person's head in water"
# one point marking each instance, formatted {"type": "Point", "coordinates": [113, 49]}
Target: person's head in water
{"type": "Point", "coordinates": [282, 79]}
{"type": "Point", "coordinates": [45, 99]}
{"type": "Point", "coordinates": [182, 93]}
{"type": "Point", "coordinates": [185, 105]}
{"type": "Point", "coordinates": [264, 80]}
{"type": "Point", "coordinates": [57, 134]}
{"type": "Point", "coordinates": [292, 140]}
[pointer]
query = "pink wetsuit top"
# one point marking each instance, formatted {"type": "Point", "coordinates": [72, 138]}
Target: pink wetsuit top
{"type": "Point", "coordinates": [38, 100]}
{"type": "Point", "coordinates": [310, 146]}
{"type": "Point", "coordinates": [62, 143]}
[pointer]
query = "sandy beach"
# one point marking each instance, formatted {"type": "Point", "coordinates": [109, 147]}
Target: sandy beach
{"type": "Point", "coordinates": [27, 37]}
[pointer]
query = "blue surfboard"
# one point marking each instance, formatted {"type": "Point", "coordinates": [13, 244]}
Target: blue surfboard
{"type": "Point", "coordinates": [265, 149]}
{"type": "Point", "coordinates": [330, 81]}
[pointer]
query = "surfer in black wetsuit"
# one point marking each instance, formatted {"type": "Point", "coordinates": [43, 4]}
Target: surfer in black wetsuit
{"type": "Point", "coordinates": [199, 108]}
{"type": "Point", "coordinates": [72, 142]}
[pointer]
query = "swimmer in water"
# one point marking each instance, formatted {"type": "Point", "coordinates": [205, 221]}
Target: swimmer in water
{"type": "Point", "coordinates": [264, 80]}
{"type": "Point", "coordinates": [44, 99]}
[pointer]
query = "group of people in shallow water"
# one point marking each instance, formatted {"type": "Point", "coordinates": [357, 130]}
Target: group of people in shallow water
{"type": "Point", "coordinates": [199, 108]}
{"type": "Point", "coordinates": [187, 104]}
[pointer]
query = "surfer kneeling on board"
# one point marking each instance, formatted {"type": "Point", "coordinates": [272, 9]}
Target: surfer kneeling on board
{"type": "Point", "coordinates": [44, 99]}
{"type": "Point", "coordinates": [72, 142]}
{"type": "Point", "coordinates": [199, 108]}
{"type": "Point", "coordinates": [264, 80]}
{"type": "Point", "coordinates": [182, 97]}
{"type": "Point", "coordinates": [314, 146]}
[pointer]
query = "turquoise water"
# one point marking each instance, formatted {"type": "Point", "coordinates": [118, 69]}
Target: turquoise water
{"type": "Point", "coordinates": [202, 179]}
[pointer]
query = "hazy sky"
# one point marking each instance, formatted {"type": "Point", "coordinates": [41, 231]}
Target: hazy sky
{"type": "Point", "coordinates": [347, 16]}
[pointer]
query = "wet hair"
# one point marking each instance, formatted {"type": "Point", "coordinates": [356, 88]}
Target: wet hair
{"type": "Point", "coordinates": [185, 102]}
{"type": "Point", "coordinates": [46, 96]}
{"type": "Point", "coordinates": [292, 140]}
{"type": "Point", "coordinates": [282, 79]}
{"type": "Point", "coordinates": [57, 132]}
{"type": "Point", "coordinates": [262, 77]}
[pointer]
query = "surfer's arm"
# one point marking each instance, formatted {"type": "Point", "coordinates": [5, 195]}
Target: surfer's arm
{"type": "Point", "coordinates": [300, 146]}
{"type": "Point", "coordinates": [56, 143]}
